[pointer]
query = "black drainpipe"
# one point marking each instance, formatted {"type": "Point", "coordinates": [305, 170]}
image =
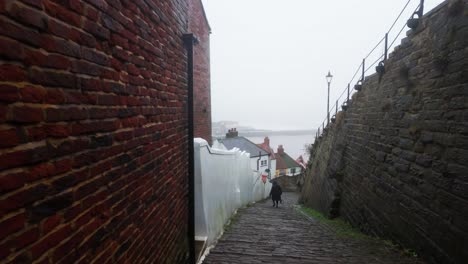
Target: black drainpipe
{"type": "Point", "coordinates": [189, 41]}
{"type": "Point", "coordinates": [258, 160]}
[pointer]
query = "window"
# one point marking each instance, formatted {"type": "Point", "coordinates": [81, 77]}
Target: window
{"type": "Point", "coordinates": [263, 163]}
{"type": "Point", "coordinates": [293, 170]}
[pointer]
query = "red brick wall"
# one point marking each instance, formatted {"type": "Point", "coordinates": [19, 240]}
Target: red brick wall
{"type": "Point", "coordinates": [93, 163]}
{"type": "Point", "coordinates": [199, 26]}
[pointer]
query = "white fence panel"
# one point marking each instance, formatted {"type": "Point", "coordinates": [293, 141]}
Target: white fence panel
{"type": "Point", "coordinates": [224, 182]}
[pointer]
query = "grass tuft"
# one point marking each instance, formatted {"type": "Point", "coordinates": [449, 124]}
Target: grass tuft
{"type": "Point", "coordinates": [342, 228]}
{"type": "Point", "coordinates": [345, 230]}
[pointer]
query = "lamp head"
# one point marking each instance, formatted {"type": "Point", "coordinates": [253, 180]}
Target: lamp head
{"type": "Point", "coordinates": [329, 77]}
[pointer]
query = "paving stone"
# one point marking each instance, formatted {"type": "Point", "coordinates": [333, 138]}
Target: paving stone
{"type": "Point", "coordinates": [264, 234]}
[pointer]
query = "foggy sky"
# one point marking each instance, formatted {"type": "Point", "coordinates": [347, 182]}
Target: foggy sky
{"type": "Point", "coordinates": [269, 58]}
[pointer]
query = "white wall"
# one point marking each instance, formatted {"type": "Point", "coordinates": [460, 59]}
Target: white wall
{"type": "Point", "coordinates": [224, 181]}
{"type": "Point", "coordinates": [254, 160]}
{"type": "Point", "coordinates": [297, 171]}
{"type": "Point", "coordinates": [272, 168]}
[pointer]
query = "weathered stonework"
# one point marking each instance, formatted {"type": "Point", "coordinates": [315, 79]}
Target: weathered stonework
{"type": "Point", "coordinates": [395, 164]}
{"type": "Point", "coordinates": [288, 183]}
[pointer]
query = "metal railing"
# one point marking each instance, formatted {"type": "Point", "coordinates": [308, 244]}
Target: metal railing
{"type": "Point", "coordinates": [412, 22]}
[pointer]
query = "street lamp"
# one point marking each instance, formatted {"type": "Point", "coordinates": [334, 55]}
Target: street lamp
{"type": "Point", "coordinates": [329, 78]}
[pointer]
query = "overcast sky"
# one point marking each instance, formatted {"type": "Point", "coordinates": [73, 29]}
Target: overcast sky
{"type": "Point", "coordinates": [269, 58]}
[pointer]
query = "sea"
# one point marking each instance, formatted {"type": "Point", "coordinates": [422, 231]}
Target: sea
{"type": "Point", "coordinates": [293, 145]}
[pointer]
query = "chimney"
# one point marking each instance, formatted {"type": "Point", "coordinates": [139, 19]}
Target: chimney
{"type": "Point", "coordinates": [266, 141]}
{"type": "Point", "coordinates": [232, 133]}
{"type": "Point", "coordinates": [280, 149]}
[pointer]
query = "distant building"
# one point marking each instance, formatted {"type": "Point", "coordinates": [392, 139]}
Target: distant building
{"type": "Point", "coordinates": [266, 146]}
{"type": "Point", "coordinates": [220, 128]}
{"type": "Point", "coordinates": [259, 158]}
{"type": "Point", "coordinates": [285, 165]}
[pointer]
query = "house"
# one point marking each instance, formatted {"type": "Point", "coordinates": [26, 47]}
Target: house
{"type": "Point", "coordinates": [266, 146]}
{"type": "Point", "coordinates": [285, 165]}
{"type": "Point", "coordinates": [301, 162]}
{"type": "Point", "coordinates": [259, 158]}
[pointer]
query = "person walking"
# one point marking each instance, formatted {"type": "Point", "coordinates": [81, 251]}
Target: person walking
{"type": "Point", "coordinates": [275, 193]}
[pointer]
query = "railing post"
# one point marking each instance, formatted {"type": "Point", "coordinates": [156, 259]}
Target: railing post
{"type": "Point", "coordinates": [363, 69]}
{"type": "Point", "coordinates": [347, 100]}
{"type": "Point", "coordinates": [336, 109]}
{"type": "Point", "coordinates": [386, 46]}
{"type": "Point", "coordinates": [421, 9]}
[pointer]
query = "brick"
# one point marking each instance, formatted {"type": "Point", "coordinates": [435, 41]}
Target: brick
{"type": "Point", "coordinates": [12, 181]}
{"type": "Point", "coordinates": [26, 114]}
{"type": "Point", "coordinates": [33, 94]}
{"type": "Point", "coordinates": [65, 114]}
{"type": "Point", "coordinates": [63, 250]}
{"type": "Point", "coordinates": [29, 16]}
{"type": "Point", "coordinates": [22, 258]}
{"type": "Point", "coordinates": [5, 247]}
{"type": "Point", "coordinates": [89, 84]}
{"type": "Point", "coordinates": [3, 112]}
{"type": "Point", "coordinates": [28, 36]}
{"type": "Point", "coordinates": [74, 97]}
{"type": "Point", "coordinates": [8, 93]}
{"type": "Point", "coordinates": [26, 238]}
{"type": "Point", "coordinates": [50, 207]}
{"type": "Point", "coordinates": [40, 171]}
{"type": "Point", "coordinates": [50, 241]}
{"type": "Point", "coordinates": [50, 223]}
{"type": "Point", "coordinates": [12, 137]}
{"type": "Point", "coordinates": [77, 6]}
{"type": "Point", "coordinates": [83, 38]}
{"type": "Point", "coordinates": [12, 224]}
{"type": "Point", "coordinates": [84, 67]}
{"type": "Point", "coordinates": [11, 49]}
{"type": "Point", "coordinates": [23, 157]}
{"type": "Point", "coordinates": [91, 127]}
{"type": "Point", "coordinates": [98, 31]}
{"type": "Point", "coordinates": [36, 133]}
{"type": "Point", "coordinates": [58, 131]}
{"type": "Point", "coordinates": [64, 47]}
{"type": "Point", "coordinates": [92, 13]}
{"type": "Point", "coordinates": [55, 61]}
{"type": "Point", "coordinates": [59, 29]}
{"type": "Point", "coordinates": [108, 99]}
{"type": "Point", "coordinates": [62, 13]}
{"type": "Point", "coordinates": [12, 73]}
{"type": "Point", "coordinates": [52, 78]}
{"type": "Point", "coordinates": [93, 55]}
{"type": "Point", "coordinates": [54, 96]}
{"type": "Point", "coordinates": [34, 3]}
{"type": "Point", "coordinates": [22, 198]}
{"type": "Point", "coordinates": [68, 146]}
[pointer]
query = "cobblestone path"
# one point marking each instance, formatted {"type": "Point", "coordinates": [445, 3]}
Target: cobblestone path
{"type": "Point", "coordinates": [263, 234]}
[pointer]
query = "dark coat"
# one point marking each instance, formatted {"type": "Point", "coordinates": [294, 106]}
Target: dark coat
{"type": "Point", "coordinates": [276, 192]}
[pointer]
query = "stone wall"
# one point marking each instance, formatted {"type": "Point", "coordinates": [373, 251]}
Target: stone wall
{"type": "Point", "coordinates": [198, 25]}
{"type": "Point", "coordinates": [395, 164]}
{"type": "Point", "coordinates": [288, 183]}
{"type": "Point", "coordinates": [93, 128]}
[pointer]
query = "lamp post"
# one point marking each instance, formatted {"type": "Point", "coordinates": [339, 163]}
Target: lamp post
{"type": "Point", "coordinates": [329, 78]}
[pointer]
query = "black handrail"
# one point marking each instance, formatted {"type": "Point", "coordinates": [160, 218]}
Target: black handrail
{"type": "Point", "coordinates": [381, 59]}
